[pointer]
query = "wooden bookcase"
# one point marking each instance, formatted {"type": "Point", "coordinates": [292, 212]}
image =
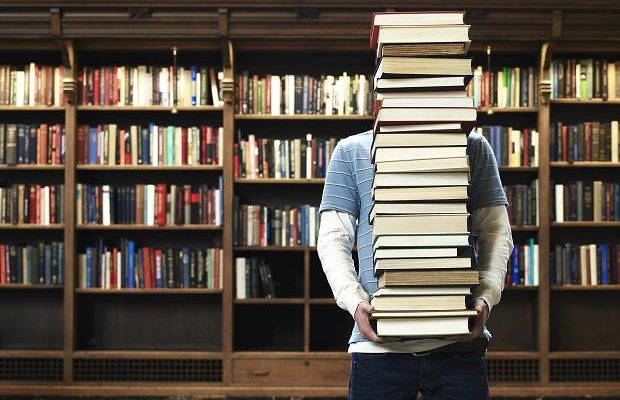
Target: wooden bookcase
{"type": "Point", "coordinates": [548, 340]}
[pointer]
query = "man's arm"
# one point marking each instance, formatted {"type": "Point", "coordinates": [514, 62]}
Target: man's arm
{"type": "Point", "coordinates": [335, 241]}
{"type": "Point", "coordinates": [495, 245]}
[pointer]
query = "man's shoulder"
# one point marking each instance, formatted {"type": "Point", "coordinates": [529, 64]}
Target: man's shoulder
{"type": "Point", "coordinates": [359, 141]}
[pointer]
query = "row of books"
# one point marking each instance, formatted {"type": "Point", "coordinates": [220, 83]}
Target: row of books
{"type": "Point", "coordinates": [303, 94]}
{"type": "Point", "coordinates": [150, 145]}
{"type": "Point", "coordinates": [505, 87]}
{"type": "Point", "coordinates": [282, 158]}
{"type": "Point", "coordinates": [149, 204]}
{"type": "Point", "coordinates": [522, 203]}
{"type": "Point", "coordinates": [261, 225]}
{"type": "Point", "coordinates": [31, 85]}
{"type": "Point", "coordinates": [585, 264]}
{"type": "Point", "coordinates": [523, 266]}
{"type": "Point", "coordinates": [253, 278]}
{"type": "Point", "coordinates": [135, 266]}
{"type": "Point", "coordinates": [32, 204]}
{"type": "Point", "coordinates": [42, 144]}
{"type": "Point", "coordinates": [585, 78]}
{"type": "Point", "coordinates": [146, 85]}
{"type": "Point", "coordinates": [585, 201]}
{"type": "Point", "coordinates": [587, 141]}
{"type": "Point", "coordinates": [512, 147]}
{"type": "Point", "coordinates": [42, 263]}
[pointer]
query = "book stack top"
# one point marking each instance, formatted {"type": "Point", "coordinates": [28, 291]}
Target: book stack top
{"type": "Point", "coordinates": [423, 253]}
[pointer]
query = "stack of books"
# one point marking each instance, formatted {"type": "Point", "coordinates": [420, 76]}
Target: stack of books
{"type": "Point", "coordinates": [422, 249]}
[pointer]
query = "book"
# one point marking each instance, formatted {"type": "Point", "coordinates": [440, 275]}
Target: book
{"type": "Point", "coordinates": [394, 67]}
{"type": "Point", "coordinates": [587, 141]}
{"type": "Point", "coordinates": [417, 140]}
{"type": "Point", "coordinates": [587, 264]}
{"type": "Point", "coordinates": [416, 208]}
{"type": "Point", "coordinates": [411, 41]}
{"type": "Point", "coordinates": [512, 147]}
{"type": "Point", "coordinates": [412, 241]}
{"type": "Point", "coordinates": [504, 87]}
{"type": "Point", "coordinates": [585, 201]}
{"type": "Point", "coordinates": [418, 303]}
{"type": "Point", "coordinates": [450, 164]}
{"type": "Point", "coordinates": [36, 263]}
{"type": "Point", "coordinates": [390, 154]}
{"type": "Point", "coordinates": [420, 224]}
{"type": "Point", "coordinates": [523, 265]}
{"type": "Point", "coordinates": [428, 277]}
{"type": "Point", "coordinates": [417, 179]}
{"type": "Point", "coordinates": [422, 291]}
{"type": "Point", "coordinates": [399, 116]}
{"type": "Point", "coordinates": [423, 263]}
{"type": "Point", "coordinates": [381, 19]}
{"type": "Point", "coordinates": [420, 324]}
{"type": "Point", "coordinates": [258, 274]}
{"type": "Point", "coordinates": [522, 203]}
{"type": "Point", "coordinates": [447, 193]}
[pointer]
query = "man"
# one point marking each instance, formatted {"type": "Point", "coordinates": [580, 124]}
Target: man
{"type": "Point", "coordinates": [451, 368]}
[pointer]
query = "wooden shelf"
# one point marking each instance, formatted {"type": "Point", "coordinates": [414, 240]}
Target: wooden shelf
{"type": "Point", "coordinates": [22, 286]}
{"type": "Point", "coordinates": [267, 300]}
{"type": "Point", "coordinates": [133, 354]}
{"type": "Point", "coordinates": [27, 227]}
{"type": "Point", "coordinates": [149, 168]}
{"type": "Point", "coordinates": [584, 101]}
{"type": "Point", "coordinates": [149, 108]}
{"type": "Point", "coordinates": [586, 224]}
{"type": "Point", "coordinates": [305, 117]}
{"type": "Point", "coordinates": [518, 110]}
{"type": "Point", "coordinates": [521, 288]}
{"type": "Point", "coordinates": [584, 164]}
{"type": "Point", "coordinates": [162, 291]}
{"type": "Point", "coordinates": [524, 228]}
{"type": "Point", "coordinates": [275, 248]}
{"type": "Point", "coordinates": [581, 288]}
{"type": "Point", "coordinates": [517, 169]}
{"type": "Point", "coordinates": [32, 108]}
{"type": "Point", "coordinates": [136, 227]}
{"type": "Point", "coordinates": [33, 167]}
{"type": "Point", "coordinates": [327, 300]}
{"type": "Point", "coordinates": [584, 354]}
{"type": "Point", "coordinates": [28, 353]}
{"type": "Point", "coordinates": [283, 181]}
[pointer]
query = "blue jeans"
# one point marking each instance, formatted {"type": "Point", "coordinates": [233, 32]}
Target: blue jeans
{"type": "Point", "coordinates": [438, 376]}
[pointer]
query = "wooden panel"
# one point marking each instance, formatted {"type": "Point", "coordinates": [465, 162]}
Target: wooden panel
{"type": "Point", "coordinates": [291, 372]}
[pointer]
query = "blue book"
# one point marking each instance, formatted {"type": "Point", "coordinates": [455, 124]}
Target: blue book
{"type": "Point", "coordinates": [131, 258]}
{"type": "Point", "coordinates": [193, 85]}
{"type": "Point", "coordinates": [185, 260]}
{"type": "Point", "coordinates": [89, 266]}
{"type": "Point", "coordinates": [305, 96]}
{"type": "Point", "coordinates": [48, 263]}
{"type": "Point", "coordinates": [21, 133]}
{"type": "Point", "coordinates": [61, 263]}
{"type": "Point", "coordinates": [92, 144]}
{"type": "Point", "coordinates": [603, 251]}
{"type": "Point", "coordinates": [144, 142]}
{"type": "Point", "coordinates": [27, 146]}
{"type": "Point", "coordinates": [515, 266]}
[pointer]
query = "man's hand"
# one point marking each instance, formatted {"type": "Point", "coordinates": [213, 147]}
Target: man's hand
{"type": "Point", "coordinates": [362, 317]}
{"type": "Point", "coordinates": [480, 320]}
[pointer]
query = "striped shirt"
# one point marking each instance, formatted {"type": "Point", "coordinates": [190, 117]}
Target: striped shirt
{"type": "Point", "coordinates": [348, 188]}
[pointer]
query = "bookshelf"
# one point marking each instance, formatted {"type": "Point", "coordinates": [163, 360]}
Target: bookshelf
{"type": "Point", "coordinates": [69, 340]}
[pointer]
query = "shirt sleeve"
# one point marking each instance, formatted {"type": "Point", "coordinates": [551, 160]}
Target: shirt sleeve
{"type": "Point", "coordinates": [494, 248]}
{"type": "Point", "coordinates": [340, 192]}
{"type": "Point", "coordinates": [486, 186]}
{"type": "Point", "coordinates": [335, 241]}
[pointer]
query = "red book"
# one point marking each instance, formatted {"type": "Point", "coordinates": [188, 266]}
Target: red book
{"type": "Point", "coordinates": [106, 86]}
{"type": "Point", "coordinates": [115, 87]}
{"type": "Point", "coordinates": [411, 18]}
{"type": "Point", "coordinates": [209, 145]}
{"type": "Point", "coordinates": [184, 146]}
{"type": "Point", "coordinates": [114, 266]}
{"type": "Point", "coordinates": [96, 86]}
{"type": "Point", "coordinates": [195, 205]}
{"type": "Point", "coordinates": [203, 145]}
{"type": "Point", "coordinates": [236, 160]}
{"type": "Point", "coordinates": [564, 130]}
{"type": "Point", "coordinates": [526, 147]}
{"type": "Point", "coordinates": [52, 205]}
{"type": "Point", "coordinates": [160, 216]}
{"type": "Point", "coordinates": [146, 267]}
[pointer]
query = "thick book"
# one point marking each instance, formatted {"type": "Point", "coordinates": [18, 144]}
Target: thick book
{"type": "Point", "coordinates": [420, 224]}
{"type": "Point", "coordinates": [420, 193]}
{"type": "Point", "coordinates": [412, 41]}
{"type": "Point", "coordinates": [378, 208]}
{"type": "Point", "coordinates": [425, 18]}
{"type": "Point", "coordinates": [395, 67]}
{"type": "Point", "coordinates": [407, 115]}
{"type": "Point", "coordinates": [396, 241]}
{"type": "Point", "coordinates": [427, 102]}
{"type": "Point", "coordinates": [398, 264]}
{"type": "Point", "coordinates": [423, 291]}
{"type": "Point", "coordinates": [417, 252]}
{"type": "Point", "coordinates": [417, 179]}
{"type": "Point", "coordinates": [418, 303]}
{"type": "Point", "coordinates": [419, 128]}
{"type": "Point", "coordinates": [416, 83]}
{"type": "Point", "coordinates": [450, 164]}
{"type": "Point", "coordinates": [444, 277]}
{"type": "Point", "coordinates": [418, 139]}
{"type": "Point", "coordinates": [423, 324]}
{"type": "Point", "coordinates": [385, 154]}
